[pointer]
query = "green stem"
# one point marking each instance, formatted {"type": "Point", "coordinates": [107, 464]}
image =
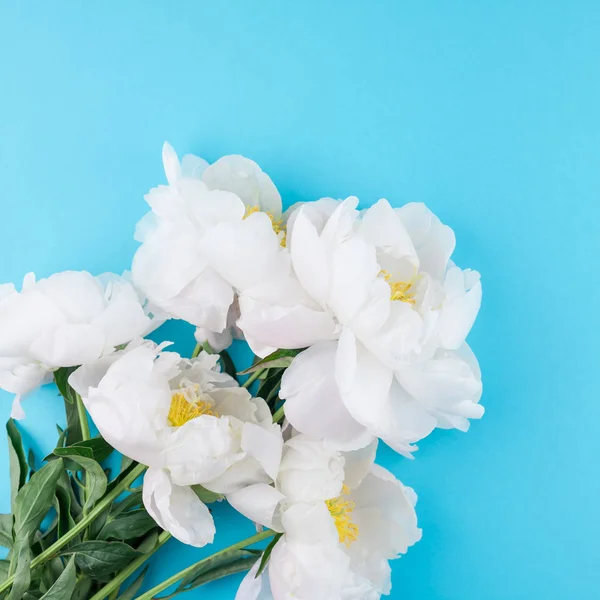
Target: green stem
{"type": "Point", "coordinates": [197, 350]}
{"type": "Point", "coordinates": [114, 584]}
{"type": "Point", "coordinates": [100, 507]}
{"type": "Point", "coordinates": [279, 414]}
{"type": "Point", "coordinates": [85, 435]}
{"type": "Point", "coordinates": [83, 419]}
{"type": "Point", "coordinates": [253, 377]}
{"type": "Point", "coordinates": [263, 535]}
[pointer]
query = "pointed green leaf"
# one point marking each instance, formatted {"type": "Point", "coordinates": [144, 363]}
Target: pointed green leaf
{"type": "Point", "coordinates": [6, 531]}
{"type": "Point", "coordinates": [98, 558]}
{"type": "Point", "coordinates": [96, 481]}
{"type": "Point", "coordinates": [61, 378]}
{"type": "Point", "coordinates": [128, 525]}
{"type": "Point", "coordinates": [63, 587]}
{"type": "Point", "coordinates": [133, 500]}
{"type": "Point", "coordinates": [73, 430]}
{"type": "Point", "coordinates": [35, 499]}
{"type": "Point", "coordinates": [136, 584]}
{"type": "Point", "coordinates": [4, 566]}
{"type": "Point", "coordinates": [280, 359]}
{"type": "Point", "coordinates": [18, 462]}
{"type": "Point", "coordinates": [23, 573]}
{"type": "Point", "coordinates": [264, 559]}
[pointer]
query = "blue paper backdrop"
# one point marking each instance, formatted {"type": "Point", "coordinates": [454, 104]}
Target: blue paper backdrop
{"type": "Point", "coordinates": [486, 111]}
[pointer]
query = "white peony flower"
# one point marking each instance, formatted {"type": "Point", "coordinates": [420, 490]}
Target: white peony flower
{"type": "Point", "coordinates": [188, 422]}
{"type": "Point", "coordinates": [213, 230]}
{"type": "Point", "coordinates": [384, 314]}
{"type": "Point", "coordinates": [65, 320]}
{"type": "Point", "coordinates": [342, 518]}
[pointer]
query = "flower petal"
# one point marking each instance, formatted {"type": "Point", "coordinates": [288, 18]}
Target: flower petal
{"type": "Point", "coordinates": [177, 509]}
{"type": "Point", "coordinates": [313, 404]}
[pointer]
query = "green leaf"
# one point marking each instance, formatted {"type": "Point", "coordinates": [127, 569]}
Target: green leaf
{"type": "Point", "coordinates": [264, 559]}
{"type": "Point", "coordinates": [98, 558]}
{"type": "Point", "coordinates": [128, 525]}
{"type": "Point", "coordinates": [82, 589]}
{"type": "Point", "coordinates": [61, 378]}
{"type": "Point", "coordinates": [73, 430]}
{"type": "Point", "coordinates": [62, 436]}
{"type": "Point", "coordinates": [231, 568]}
{"type": "Point", "coordinates": [280, 359]}
{"type": "Point", "coordinates": [63, 510]}
{"type": "Point", "coordinates": [4, 566]}
{"type": "Point", "coordinates": [35, 499]}
{"type": "Point", "coordinates": [134, 499]}
{"type": "Point", "coordinates": [97, 449]}
{"type": "Point", "coordinates": [6, 531]}
{"type": "Point", "coordinates": [63, 587]}
{"type": "Point", "coordinates": [23, 573]}
{"type": "Point", "coordinates": [18, 462]}
{"type": "Point", "coordinates": [206, 496]}
{"type": "Point", "coordinates": [131, 592]}
{"type": "Point", "coordinates": [212, 563]}
{"type": "Point", "coordinates": [96, 482]}
{"type": "Point", "coordinates": [227, 364]}
{"type": "Point", "coordinates": [149, 542]}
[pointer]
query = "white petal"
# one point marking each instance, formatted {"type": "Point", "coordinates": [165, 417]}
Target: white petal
{"type": "Point", "coordinates": [257, 502]}
{"type": "Point", "coordinates": [310, 258]}
{"type": "Point", "coordinates": [78, 295]}
{"type": "Point", "coordinates": [463, 299]}
{"type": "Point", "coordinates": [69, 345]}
{"type": "Point", "coordinates": [382, 227]}
{"type": "Point", "coordinates": [354, 273]}
{"type": "Point", "coordinates": [309, 523]}
{"type": "Point", "coordinates": [265, 445]}
{"type": "Point", "coordinates": [244, 178]}
{"type": "Point", "coordinates": [433, 241]}
{"type": "Point", "coordinates": [271, 326]}
{"type": "Point", "coordinates": [253, 587]}
{"type": "Point", "coordinates": [177, 509]}
{"type": "Point", "coordinates": [171, 164]}
{"type": "Point", "coordinates": [17, 411]}
{"type": "Point", "coordinates": [310, 470]}
{"type": "Point", "coordinates": [313, 404]}
{"type": "Point", "coordinates": [201, 450]}
{"type": "Point", "coordinates": [193, 166]}
{"type": "Point", "coordinates": [299, 571]}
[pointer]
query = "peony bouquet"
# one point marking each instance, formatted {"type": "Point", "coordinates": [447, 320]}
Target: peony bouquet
{"type": "Point", "coordinates": [357, 320]}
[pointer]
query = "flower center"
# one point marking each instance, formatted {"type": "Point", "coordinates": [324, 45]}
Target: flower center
{"type": "Point", "coordinates": [187, 404]}
{"type": "Point", "coordinates": [277, 224]}
{"type": "Point", "coordinates": [400, 290]}
{"type": "Point", "coordinates": [341, 510]}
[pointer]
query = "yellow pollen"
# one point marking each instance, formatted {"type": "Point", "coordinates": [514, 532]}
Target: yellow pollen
{"type": "Point", "coordinates": [182, 410]}
{"type": "Point", "coordinates": [341, 511]}
{"type": "Point", "coordinates": [399, 290]}
{"type": "Point", "coordinates": [277, 224]}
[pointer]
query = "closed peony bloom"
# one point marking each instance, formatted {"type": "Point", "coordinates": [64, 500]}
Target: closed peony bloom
{"type": "Point", "coordinates": [68, 319]}
{"type": "Point", "coordinates": [188, 422]}
{"type": "Point", "coordinates": [342, 519]}
{"type": "Point", "coordinates": [383, 313]}
{"type": "Point", "coordinates": [212, 231]}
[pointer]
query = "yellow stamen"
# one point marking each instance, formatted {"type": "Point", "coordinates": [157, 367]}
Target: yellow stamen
{"type": "Point", "coordinates": [183, 410]}
{"type": "Point", "coordinates": [341, 511]}
{"type": "Point", "coordinates": [400, 290]}
{"type": "Point", "coordinates": [277, 224]}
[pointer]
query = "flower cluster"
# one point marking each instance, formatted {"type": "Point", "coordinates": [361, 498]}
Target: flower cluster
{"type": "Point", "coordinates": [358, 319]}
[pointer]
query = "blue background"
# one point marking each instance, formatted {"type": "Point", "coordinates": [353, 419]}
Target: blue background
{"type": "Point", "coordinates": [486, 111]}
